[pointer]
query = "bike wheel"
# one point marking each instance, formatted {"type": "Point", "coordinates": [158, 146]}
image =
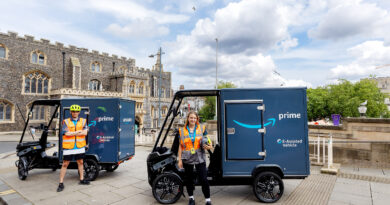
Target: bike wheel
{"type": "Point", "coordinates": [22, 168]}
{"type": "Point", "coordinates": [167, 188]}
{"type": "Point", "coordinates": [268, 187]}
{"type": "Point", "coordinates": [91, 169]}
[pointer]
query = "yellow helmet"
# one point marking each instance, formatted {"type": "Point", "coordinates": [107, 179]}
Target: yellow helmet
{"type": "Point", "coordinates": [75, 108]}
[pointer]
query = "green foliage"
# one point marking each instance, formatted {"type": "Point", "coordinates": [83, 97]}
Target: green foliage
{"type": "Point", "coordinates": [207, 112]}
{"type": "Point", "coordinates": [345, 98]}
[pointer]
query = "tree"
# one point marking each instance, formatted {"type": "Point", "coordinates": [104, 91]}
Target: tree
{"type": "Point", "coordinates": [207, 112]}
{"type": "Point", "coordinates": [345, 98]}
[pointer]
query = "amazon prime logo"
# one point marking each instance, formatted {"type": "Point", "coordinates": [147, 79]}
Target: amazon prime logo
{"type": "Point", "coordinates": [288, 115]}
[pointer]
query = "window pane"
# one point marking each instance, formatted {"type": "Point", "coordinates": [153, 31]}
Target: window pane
{"type": "Point", "coordinates": [2, 52]}
{"type": "Point", "coordinates": [8, 113]}
{"type": "Point", "coordinates": [33, 85]}
{"type": "Point", "coordinates": [41, 59]}
{"type": "Point", "coordinates": [46, 86]}
{"type": "Point", "coordinates": [42, 115]}
{"type": "Point", "coordinates": [39, 85]}
{"type": "Point", "coordinates": [34, 58]}
{"type": "Point", "coordinates": [97, 67]}
{"type": "Point", "coordinates": [93, 67]}
{"type": "Point", "coordinates": [27, 85]}
{"type": "Point", "coordinates": [1, 112]}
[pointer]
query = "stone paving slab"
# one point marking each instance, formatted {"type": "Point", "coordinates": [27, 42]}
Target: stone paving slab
{"type": "Point", "coordinates": [315, 189]}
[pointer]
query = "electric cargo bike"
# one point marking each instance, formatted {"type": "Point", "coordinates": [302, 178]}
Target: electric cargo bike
{"type": "Point", "coordinates": [110, 137]}
{"type": "Point", "coordinates": [262, 138]}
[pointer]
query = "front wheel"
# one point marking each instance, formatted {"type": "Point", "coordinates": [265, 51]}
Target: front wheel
{"type": "Point", "coordinates": [268, 187]}
{"type": "Point", "coordinates": [22, 168]}
{"type": "Point", "coordinates": [167, 188]}
{"type": "Point", "coordinates": [91, 169]}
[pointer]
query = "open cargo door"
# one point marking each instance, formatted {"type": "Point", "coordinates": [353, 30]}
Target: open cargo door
{"type": "Point", "coordinates": [127, 129]}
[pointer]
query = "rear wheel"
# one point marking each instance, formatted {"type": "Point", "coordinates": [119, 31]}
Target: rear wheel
{"type": "Point", "coordinates": [91, 169]}
{"type": "Point", "coordinates": [22, 168]}
{"type": "Point", "coordinates": [167, 188]}
{"type": "Point", "coordinates": [268, 187]}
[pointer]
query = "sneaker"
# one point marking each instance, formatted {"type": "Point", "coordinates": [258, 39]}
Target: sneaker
{"type": "Point", "coordinates": [84, 182]}
{"type": "Point", "coordinates": [191, 202]}
{"type": "Point", "coordinates": [60, 187]}
{"type": "Point", "coordinates": [208, 202]}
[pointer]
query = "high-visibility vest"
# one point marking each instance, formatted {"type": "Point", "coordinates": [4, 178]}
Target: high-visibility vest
{"type": "Point", "coordinates": [191, 149]}
{"type": "Point", "coordinates": [68, 142]}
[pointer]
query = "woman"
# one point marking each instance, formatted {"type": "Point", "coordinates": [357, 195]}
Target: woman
{"type": "Point", "coordinates": [193, 143]}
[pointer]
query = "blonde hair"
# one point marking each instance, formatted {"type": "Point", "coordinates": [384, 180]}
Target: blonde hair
{"type": "Point", "coordinates": [192, 112]}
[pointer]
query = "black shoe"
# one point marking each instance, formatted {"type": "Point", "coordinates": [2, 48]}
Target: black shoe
{"type": "Point", "coordinates": [208, 202]}
{"type": "Point", "coordinates": [191, 202]}
{"type": "Point", "coordinates": [84, 182]}
{"type": "Point", "coordinates": [60, 187]}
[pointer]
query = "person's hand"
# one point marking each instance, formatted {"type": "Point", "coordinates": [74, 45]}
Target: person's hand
{"type": "Point", "coordinates": [180, 164]}
{"type": "Point", "coordinates": [207, 147]}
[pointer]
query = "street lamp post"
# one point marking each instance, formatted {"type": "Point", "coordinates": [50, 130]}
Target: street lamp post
{"type": "Point", "coordinates": [216, 75]}
{"type": "Point", "coordinates": [363, 109]}
{"type": "Point", "coordinates": [158, 54]}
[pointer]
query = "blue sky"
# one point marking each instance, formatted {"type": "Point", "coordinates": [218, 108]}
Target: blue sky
{"type": "Point", "coordinates": [261, 42]}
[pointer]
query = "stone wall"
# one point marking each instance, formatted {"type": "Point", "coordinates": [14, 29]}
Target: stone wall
{"type": "Point", "coordinates": [364, 141]}
{"type": "Point", "coordinates": [19, 63]}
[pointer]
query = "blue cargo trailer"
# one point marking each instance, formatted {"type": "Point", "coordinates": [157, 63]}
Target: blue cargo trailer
{"type": "Point", "coordinates": [111, 135]}
{"type": "Point", "coordinates": [262, 139]}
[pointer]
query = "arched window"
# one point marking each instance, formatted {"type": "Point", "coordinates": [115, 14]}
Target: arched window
{"type": "Point", "coordinates": [164, 110]}
{"type": "Point", "coordinates": [38, 113]}
{"type": "Point", "coordinates": [96, 67]}
{"type": "Point", "coordinates": [168, 93]}
{"type": "Point", "coordinates": [3, 51]}
{"type": "Point", "coordinates": [94, 85]}
{"type": "Point", "coordinates": [141, 88]}
{"type": "Point", "coordinates": [38, 57]}
{"type": "Point", "coordinates": [132, 87]}
{"type": "Point", "coordinates": [36, 82]}
{"type": "Point", "coordinates": [152, 112]}
{"type": "Point", "coordinates": [162, 92]}
{"type": "Point", "coordinates": [6, 111]}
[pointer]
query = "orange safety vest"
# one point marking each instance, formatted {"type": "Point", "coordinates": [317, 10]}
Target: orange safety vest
{"type": "Point", "coordinates": [69, 141]}
{"type": "Point", "coordinates": [186, 142]}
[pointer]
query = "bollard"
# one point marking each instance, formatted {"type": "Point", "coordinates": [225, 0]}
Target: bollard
{"type": "Point", "coordinates": [318, 149]}
{"type": "Point", "coordinates": [330, 152]}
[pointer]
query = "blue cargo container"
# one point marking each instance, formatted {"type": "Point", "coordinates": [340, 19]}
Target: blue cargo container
{"type": "Point", "coordinates": [262, 139]}
{"type": "Point", "coordinates": [111, 135]}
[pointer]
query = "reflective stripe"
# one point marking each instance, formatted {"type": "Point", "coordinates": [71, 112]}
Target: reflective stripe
{"type": "Point", "coordinates": [72, 140]}
{"type": "Point", "coordinates": [79, 140]}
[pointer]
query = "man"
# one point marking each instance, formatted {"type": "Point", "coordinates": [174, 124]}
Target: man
{"type": "Point", "coordinates": [74, 141]}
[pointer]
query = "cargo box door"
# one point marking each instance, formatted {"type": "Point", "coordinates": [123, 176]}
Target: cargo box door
{"type": "Point", "coordinates": [127, 131]}
{"type": "Point", "coordinates": [244, 130]}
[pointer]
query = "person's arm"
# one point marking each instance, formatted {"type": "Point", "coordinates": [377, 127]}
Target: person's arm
{"type": "Point", "coordinates": [179, 161]}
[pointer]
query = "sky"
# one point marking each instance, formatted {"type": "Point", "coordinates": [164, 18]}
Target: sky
{"type": "Point", "coordinates": [260, 43]}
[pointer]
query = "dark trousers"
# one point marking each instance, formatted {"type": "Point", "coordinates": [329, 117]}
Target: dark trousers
{"type": "Point", "coordinates": [202, 177]}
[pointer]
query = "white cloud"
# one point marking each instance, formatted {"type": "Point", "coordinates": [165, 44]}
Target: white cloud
{"type": "Point", "coordinates": [244, 30]}
{"type": "Point", "coordinates": [352, 18]}
{"type": "Point", "coordinates": [145, 28]}
{"type": "Point", "coordinates": [128, 10]}
{"type": "Point", "coordinates": [368, 56]}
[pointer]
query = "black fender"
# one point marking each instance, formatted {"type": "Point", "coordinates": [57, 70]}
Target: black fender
{"type": "Point", "coordinates": [92, 156]}
{"type": "Point", "coordinates": [268, 167]}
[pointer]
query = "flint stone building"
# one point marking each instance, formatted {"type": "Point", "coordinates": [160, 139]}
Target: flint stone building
{"type": "Point", "coordinates": [37, 69]}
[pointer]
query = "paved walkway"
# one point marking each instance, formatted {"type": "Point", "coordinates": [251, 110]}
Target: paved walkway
{"type": "Point", "coordinates": [128, 185]}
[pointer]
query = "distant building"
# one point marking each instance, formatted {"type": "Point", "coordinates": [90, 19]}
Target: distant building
{"type": "Point", "coordinates": [384, 86]}
{"type": "Point", "coordinates": [37, 69]}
